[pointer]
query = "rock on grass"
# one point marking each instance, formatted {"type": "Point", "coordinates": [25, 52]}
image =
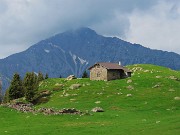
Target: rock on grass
{"type": "Point", "coordinates": [130, 87]}
{"type": "Point", "coordinates": [97, 109]}
{"type": "Point", "coordinates": [71, 77]}
{"type": "Point", "coordinates": [129, 81]}
{"type": "Point", "coordinates": [75, 86]}
{"type": "Point", "coordinates": [129, 95]}
{"type": "Point", "coordinates": [176, 98]}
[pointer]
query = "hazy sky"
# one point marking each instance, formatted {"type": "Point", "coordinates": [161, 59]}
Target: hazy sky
{"type": "Point", "coordinates": [152, 23]}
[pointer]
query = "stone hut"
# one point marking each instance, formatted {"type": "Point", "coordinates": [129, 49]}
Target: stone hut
{"type": "Point", "coordinates": [108, 71]}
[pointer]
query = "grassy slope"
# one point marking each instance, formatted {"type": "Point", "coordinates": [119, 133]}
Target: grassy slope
{"type": "Point", "coordinates": [148, 111]}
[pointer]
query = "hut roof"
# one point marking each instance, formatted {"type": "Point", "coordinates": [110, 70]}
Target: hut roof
{"type": "Point", "coordinates": [111, 66]}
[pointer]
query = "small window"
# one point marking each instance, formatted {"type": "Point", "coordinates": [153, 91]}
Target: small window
{"type": "Point", "coordinates": [98, 74]}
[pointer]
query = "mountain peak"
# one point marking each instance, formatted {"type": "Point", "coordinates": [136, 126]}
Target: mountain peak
{"type": "Point", "coordinates": [79, 33]}
{"type": "Point", "coordinates": [73, 51]}
{"type": "Point", "coordinates": [84, 31]}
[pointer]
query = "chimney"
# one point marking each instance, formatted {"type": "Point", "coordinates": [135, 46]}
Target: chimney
{"type": "Point", "coordinates": [120, 63]}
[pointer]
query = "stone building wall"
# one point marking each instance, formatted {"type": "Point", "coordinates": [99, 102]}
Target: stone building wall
{"type": "Point", "coordinates": [113, 75]}
{"type": "Point", "coordinates": [98, 73]}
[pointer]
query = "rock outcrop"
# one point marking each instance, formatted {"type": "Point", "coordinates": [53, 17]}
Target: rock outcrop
{"type": "Point", "coordinates": [97, 109]}
{"type": "Point", "coordinates": [71, 77]}
{"type": "Point", "coordinates": [22, 107]}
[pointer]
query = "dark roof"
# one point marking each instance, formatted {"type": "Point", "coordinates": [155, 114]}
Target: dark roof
{"type": "Point", "coordinates": [111, 66]}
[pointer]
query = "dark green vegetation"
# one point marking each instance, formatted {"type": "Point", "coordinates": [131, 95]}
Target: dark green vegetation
{"type": "Point", "coordinates": [15, 89]}
{"type": "Point", "coordinates": [85, 74]}
{"type": "Point", "coordinates": [31, 82]}
{"type": "Point", "coordinates": [28, 87]}
{"type": "Point", "coordinates": [144, 104]}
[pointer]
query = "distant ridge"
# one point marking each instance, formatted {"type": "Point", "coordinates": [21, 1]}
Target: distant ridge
{"type": "Point", "coordinates": [74, 51]}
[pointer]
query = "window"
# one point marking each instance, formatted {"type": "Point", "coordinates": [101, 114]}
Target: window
{"type": "Point", "coordinates": [98, 74]}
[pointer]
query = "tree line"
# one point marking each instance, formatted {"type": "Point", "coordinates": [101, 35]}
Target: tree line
{"type": "Point", "coordinates": [26, 87]}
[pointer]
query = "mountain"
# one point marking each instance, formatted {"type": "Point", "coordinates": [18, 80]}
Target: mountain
{"type": "Point", "coordinates": [74, 51]}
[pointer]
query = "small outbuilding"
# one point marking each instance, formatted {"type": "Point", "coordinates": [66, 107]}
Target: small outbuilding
{"type": "Point", "coordinates": [108, 71]}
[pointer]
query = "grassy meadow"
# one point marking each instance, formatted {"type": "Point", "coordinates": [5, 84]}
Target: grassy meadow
{"type": "Point", "coordinates": [145, 104]}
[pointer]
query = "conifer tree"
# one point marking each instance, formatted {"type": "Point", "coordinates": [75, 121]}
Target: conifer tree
{"type": "Point", "coordinates": [6, 97]}
{"type": "Point", "coordinates": [15, 88]}
{"type": "Point", "coordinates": [46, 76]}
{"type": "Point", "coordinates": [85, 75]}
{"type": "Point", "coordinates": [30, 85]}
{"type": "Point", "coordinates": [40, 77]}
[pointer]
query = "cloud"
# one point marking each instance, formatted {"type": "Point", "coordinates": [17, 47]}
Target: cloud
{"type": "Point", "coordinates": [157, 28]}
{"type": "Point", "coordinates": [25, 22]}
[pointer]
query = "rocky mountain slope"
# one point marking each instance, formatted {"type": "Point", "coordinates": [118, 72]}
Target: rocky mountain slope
{"type": "Point", "coordinates": [74, 51]}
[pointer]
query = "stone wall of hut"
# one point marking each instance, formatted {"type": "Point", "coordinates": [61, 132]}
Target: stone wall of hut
{"type": "Point", "coordinates": [98, 73]}
{"type": "Point", "coordinates": [113, 75]}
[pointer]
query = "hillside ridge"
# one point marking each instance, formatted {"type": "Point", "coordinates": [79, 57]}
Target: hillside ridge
{"type": "Point", "coordinates": [146, 103]}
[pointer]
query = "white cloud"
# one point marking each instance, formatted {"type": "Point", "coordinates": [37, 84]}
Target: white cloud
{"type": "Point", "coordinates": [157, 28]}
{"type": "Point", "coordinates": [25, 22]}
{"type": "Point", "coordinates": [11, 49]}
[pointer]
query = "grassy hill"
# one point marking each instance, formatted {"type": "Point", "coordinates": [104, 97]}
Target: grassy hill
{"type": "Point", "coordinates": [144, 104]}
